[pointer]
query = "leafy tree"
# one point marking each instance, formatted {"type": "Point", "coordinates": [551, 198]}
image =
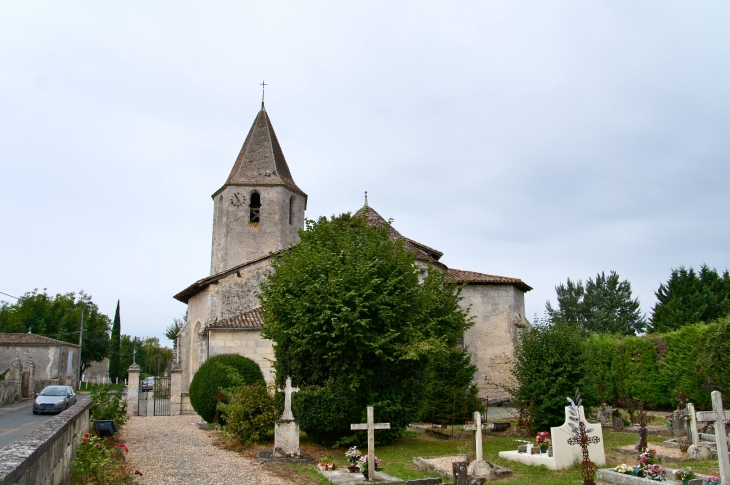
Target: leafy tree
{"type": "Point", "coordinates": [59, 317]}
{"type": "Point", "coordinates": [348, 314]}
{"type": "Point", "coordinates": [151, 356]}
{"type": "Point", "coordinates": [115, 370]}
{"type": "Point", "coordinates": [177, 325]}
{"type": "Point", "coordinates": [450, 393]}
{"type": "Point", "coordinates": [691, 297]}
{"type": "Point", "coordinates": [603, 305]}
{"type": "Point", "coordinates": [549, 365]}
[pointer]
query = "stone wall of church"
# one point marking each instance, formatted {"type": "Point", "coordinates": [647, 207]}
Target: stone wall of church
{"type": "Point", "coordinates": [228, 297]}
{"type": "Point", "coordinates": [499, 315]}
{"type": "Point", "coordinates": [237, 240]}
{"type": "Point", "coordinates": [247, 343]}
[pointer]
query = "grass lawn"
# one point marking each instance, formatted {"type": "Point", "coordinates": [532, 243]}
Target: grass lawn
{"type": "Point", "coordinates": [398, 458]}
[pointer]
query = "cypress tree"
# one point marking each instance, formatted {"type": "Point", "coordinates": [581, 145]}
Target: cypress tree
{"type": "Point", "coordinates": [115, 370]}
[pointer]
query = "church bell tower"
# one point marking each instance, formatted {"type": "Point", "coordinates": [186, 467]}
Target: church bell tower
{"type": "Point", "coordinates": [259, 209]}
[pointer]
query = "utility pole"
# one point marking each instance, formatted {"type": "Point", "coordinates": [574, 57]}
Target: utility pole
{"type": "Point", "coordinates": [81, 335]}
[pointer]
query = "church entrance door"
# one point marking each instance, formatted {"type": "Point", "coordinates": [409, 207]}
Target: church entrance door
{"type": "Point", "coordinates": [162, 396]}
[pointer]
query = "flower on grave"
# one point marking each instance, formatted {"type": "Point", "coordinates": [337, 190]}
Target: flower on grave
{"type": "Point", "coordinates": [326, 466]}
{"type": "Point", "coordinates": [713, 481]}
{"type": "Point", "coordinates": [648, 458]}
{"type": "Point", "coordinates": [363, 464]}
{"type": "Point", "coordinates": [543, 438]}
{"type": "Point", "coordinates": [625, 469]}
{"type": "Point", "coordinates": [685, 473]}
{"type": "Point", "coordinates": [654, 472]}
{"type": "Point", "coordinates": [353, 454]}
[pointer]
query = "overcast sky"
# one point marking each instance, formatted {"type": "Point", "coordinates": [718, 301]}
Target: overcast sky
{"type": "Point", "coordinates": [537, 140]}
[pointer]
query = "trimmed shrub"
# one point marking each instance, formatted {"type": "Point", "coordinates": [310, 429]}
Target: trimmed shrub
{"type": "Point", "coordinates": [250, 414]}
{"type": "Point", "coordinates": [451, 394]}
{"type": "Point", "coordinates": [221, 373]}
{"type": "Point", "coordinates": [654, 369]}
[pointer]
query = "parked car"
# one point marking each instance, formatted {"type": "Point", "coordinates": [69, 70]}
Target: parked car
{"type": "Point", "coordinates": [54, 399]}
{"type": "Point", "coordinates": [148, 384]}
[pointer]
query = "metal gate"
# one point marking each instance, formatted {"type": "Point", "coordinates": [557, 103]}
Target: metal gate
{"type": "Point", "coordinates": [162, 396]}
{"type": "Point", "coordinates": [142, 400]}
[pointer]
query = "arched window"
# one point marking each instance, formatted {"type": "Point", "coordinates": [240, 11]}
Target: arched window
{"type": "Point", "coordinates": [255, 206]}
{"type": "Point", "coordinates": [291, 210]}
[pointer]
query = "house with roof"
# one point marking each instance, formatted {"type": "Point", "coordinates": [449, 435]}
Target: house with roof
{"type": "Point", "coordinates": [256, 214]}
{"type": "Point", "coordinates": [33, 362]}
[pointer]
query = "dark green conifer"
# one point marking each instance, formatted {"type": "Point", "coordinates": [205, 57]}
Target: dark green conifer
{"type": "Point", "coordinates": [115, 370]}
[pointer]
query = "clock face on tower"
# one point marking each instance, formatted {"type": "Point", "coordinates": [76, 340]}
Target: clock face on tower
{"type": "Point", "coordinates": [238, 199]}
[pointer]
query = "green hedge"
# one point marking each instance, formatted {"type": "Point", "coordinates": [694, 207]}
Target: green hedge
{"type": "Point", "coordinates": [221, 373]}
{"type": "Point", "coordinates": [655, 368]}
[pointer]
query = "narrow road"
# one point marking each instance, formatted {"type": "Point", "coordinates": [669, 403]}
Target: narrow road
{"type": "Point", "coordinates": [17, 420]}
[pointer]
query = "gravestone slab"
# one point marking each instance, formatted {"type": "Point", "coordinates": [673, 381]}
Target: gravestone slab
{"type": "Point", "coordinates": [460, 473]}
{"type": "Point", "coordinates": [564, 455]}
{"type": "Point", "coordinates": [341, 476]}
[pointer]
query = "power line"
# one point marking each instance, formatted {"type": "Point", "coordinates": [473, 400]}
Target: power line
{"type": "Point", "coordinates": [11, 296]}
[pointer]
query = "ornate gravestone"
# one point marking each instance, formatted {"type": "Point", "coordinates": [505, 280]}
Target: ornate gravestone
{"type": "Point", "coordinates": [617, 420]}
{"type": "Point", "coordinates": [580, 437]}
{"type": "Point", "coordinates": [370, 426]}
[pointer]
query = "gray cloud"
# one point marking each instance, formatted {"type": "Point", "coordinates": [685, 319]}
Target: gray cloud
{"type": "Point", "coordinates": [538, 141]}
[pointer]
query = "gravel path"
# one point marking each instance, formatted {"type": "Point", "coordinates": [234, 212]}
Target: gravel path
{"type": "Point", "coordinates": [172, 450]}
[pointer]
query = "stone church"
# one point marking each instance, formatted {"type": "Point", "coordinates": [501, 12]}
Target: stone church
{"type": "Point", "coordinates": [257, 213]}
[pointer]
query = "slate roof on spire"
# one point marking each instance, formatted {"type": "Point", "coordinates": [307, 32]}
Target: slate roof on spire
{"type": "Point", "coordinates": [261, 161]}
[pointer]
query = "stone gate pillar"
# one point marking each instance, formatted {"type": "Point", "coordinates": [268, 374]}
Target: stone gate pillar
{"type": "Point", "coordinates": [133, 390]}
{"type": "Point", "coordinates": [175, 388]}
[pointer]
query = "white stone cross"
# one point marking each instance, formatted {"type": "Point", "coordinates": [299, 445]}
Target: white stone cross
{"type": "Point", "coordinates": [477, 428]}
{"type": "Point", "coordinates": [288, 390]}
{"type": "Point", "coordinates": [371, 426]}
{"type": "Point", "coordinates": [719, 416]}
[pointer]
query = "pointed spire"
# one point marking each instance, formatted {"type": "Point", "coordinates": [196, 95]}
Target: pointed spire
{"type": "Point", "coordinates": [261, 161]}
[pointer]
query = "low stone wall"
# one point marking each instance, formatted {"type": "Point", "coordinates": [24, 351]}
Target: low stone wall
{"type": "Point", "coordinates": [8, 392]}
{"type": "Point", "coordinates": [43, 457]}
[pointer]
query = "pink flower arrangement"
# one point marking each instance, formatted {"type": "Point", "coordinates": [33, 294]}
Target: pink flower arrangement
{"type": "Point", "coordinates": [543, 438]}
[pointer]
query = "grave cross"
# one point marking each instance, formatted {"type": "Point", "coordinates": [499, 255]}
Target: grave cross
{"type": "Point", "coordinates": [584, 440]}
{"type": "Point", "coordinates": [371, 426]}
{"type": "Point", "coordinates": [682, 398]}
{"type": "Point", "coordinates": [288, 390]}
{"type": "Point", "coordinates": [710, 384]}
{"type": "Point", "coordinates": [719, 416]}
{"type": "Point", "coordinates": [477, 428]}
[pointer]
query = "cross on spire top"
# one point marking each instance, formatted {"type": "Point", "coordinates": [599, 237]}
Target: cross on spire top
{"type": "Point", "coordinates": [263, 91]}
{"type": "Point", "coordinates": [366, 198]}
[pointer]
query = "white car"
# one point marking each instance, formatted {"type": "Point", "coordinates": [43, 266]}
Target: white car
{"type": "Point", "coordinates": [54, 399]}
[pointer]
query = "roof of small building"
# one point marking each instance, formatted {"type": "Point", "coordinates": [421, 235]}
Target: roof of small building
{"type": "Point", "coordinates": [30, 339]}
{"type": "Point", "coordinates": [474, 278]}
{"type": "Point", "coordinates": [261, 160]}
{"type": "Point", "coordinates": [250, 319]}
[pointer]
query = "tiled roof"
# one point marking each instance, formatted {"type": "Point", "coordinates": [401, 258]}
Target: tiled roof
{"type": "Point", "coordinates": [484, 279]}
{"type": "Point", "coordinates": [249, 319]}
{"type": "Point", "coordinates": [422, 251]}
{"type": "Point", "coordinates": [29, 339]}
{"type": "Point", "coordinates": [202, 283]}
{"type": "Point", "coordinates": [261, 160]}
